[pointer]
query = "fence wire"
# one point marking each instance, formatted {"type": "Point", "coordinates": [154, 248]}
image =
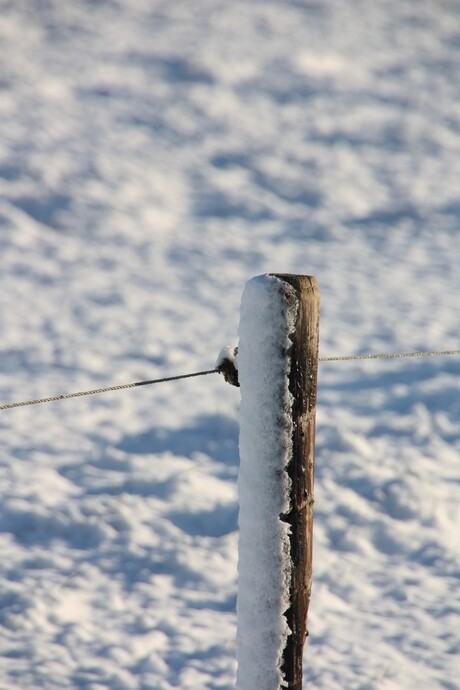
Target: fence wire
{"type": "Point", "coordinates": [347, 358]}
{"type": "Point", "coordinates": [136, 384]}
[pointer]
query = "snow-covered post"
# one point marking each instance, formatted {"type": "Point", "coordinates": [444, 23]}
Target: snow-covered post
{"type": "Point", "coordinates": [277, 370]}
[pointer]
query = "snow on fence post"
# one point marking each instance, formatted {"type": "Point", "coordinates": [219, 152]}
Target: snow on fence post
{"type": "Point", "coordinates": [277, 370]}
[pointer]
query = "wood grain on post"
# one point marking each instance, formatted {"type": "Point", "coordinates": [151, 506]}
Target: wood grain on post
{"type": "Point", "coordinates": [302, 385]}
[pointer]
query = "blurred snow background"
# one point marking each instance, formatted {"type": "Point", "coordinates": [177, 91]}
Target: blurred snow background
{"type": "Point", "coordinates": [153, 157]}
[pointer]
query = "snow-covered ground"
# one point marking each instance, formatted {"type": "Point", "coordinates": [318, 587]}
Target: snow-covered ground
{"type": "Point", "coordinates": [154, 156]}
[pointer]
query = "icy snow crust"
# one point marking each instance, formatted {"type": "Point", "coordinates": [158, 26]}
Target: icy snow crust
{"type": "Point", "coordinates": [229, 354]}
{"type": "Point", "coordinates": [154, 156]}
{"type": "Point", "coordinates": [268, 315]}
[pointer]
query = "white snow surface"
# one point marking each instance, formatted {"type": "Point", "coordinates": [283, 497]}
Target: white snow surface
{"type": "Point", "coordinates": [229, 353]}
{"type": "Point", "coordinates": [154, 156]}
{"type": "Point", "coordinates": [268, 315]}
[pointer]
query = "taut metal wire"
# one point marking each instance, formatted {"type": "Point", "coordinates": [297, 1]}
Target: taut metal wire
{"type": "Point", "coordinates": [124, 386]}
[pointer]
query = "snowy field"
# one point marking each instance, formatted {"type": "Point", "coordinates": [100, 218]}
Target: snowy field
{"type": "Point", "coordinates": [154, 156]}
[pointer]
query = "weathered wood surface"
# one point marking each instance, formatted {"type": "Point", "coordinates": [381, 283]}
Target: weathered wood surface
{"type": "Point", "coordinates": [302, 385]}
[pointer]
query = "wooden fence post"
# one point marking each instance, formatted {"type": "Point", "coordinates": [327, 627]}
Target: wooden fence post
{"type": "Point", "coordinates": [277, 362]}
{"type": "Point", "coordinates": [302, 385]}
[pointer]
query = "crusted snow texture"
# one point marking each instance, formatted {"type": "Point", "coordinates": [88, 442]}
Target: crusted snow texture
{"type": "Point", "coordinates": [268, 313]}
{"type": "Point", "coordinates": [229, 353]}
